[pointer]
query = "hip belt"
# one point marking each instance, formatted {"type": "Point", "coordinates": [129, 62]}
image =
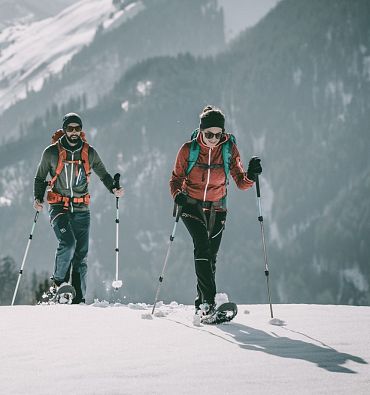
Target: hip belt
{"type": "Point", "coordinates": [54, 198]}
{"type": "Point", "coordinates": [220, 204]}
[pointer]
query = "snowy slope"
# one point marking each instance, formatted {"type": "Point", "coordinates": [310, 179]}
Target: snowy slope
{"type": "Point", "coordinates": [30, 53]}
{"type": "Point", "coordinates": [23, 11]}
{"type": "Point", "coordinates": [112, 350]}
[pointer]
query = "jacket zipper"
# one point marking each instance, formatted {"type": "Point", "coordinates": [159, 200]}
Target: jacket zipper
{"type": "Point", "coordinates": [71, 182]}
{"type": "Point", "coordinates": [66, 171]}
{"type": "Point", "coordinates": [208, 175]}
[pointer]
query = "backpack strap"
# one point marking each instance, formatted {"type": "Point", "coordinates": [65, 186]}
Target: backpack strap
{"type": "Point", "coordinates": [62, 156]}
{"type": "Point", "coordinates": [85, 160]}
{"type": "Point", "coordinates": [194, 151]}
{"type": "Point", "coordinates": [227, 154]}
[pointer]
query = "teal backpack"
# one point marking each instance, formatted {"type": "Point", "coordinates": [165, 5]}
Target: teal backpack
{"type": "Point", "coordinates": [195, 149]}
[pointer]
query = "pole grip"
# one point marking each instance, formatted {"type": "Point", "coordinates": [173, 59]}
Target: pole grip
{"type": "Point", "coordinates": [116, 180]}
{"type": "Point", "coordinates": [116, 186]}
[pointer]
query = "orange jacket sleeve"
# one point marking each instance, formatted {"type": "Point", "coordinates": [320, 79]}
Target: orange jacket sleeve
{"type": "Point", "coordinates": [179, 170]}
{"type": "Point", "coordinates": [237, 170]}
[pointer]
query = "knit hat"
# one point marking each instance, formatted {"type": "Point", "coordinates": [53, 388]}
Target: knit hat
{"type": "Point", "coordinates": [212, 117]}
{"type": "Point", "coordinates": [71, 117]}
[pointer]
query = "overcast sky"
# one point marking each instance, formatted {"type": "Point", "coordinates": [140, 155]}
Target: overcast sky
{"type": "Point", "coordinates": [240, 14]}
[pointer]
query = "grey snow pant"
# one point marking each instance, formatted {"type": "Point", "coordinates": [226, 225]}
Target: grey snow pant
{"type": "Point", "coordinates": [72, 232]}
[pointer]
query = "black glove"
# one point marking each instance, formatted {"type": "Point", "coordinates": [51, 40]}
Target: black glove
{"type": "Point", "coordinates": [181, 199]}
{"type": "Point", "coordinates": [39, 189]}
{"type": "Point", "coordinates": [254, 168]}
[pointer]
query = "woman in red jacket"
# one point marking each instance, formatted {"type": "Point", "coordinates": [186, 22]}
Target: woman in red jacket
{"type": "Point", "coordinates": [199, 184]}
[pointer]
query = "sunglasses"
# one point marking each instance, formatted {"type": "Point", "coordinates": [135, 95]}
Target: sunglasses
{"type": "Point", "coordinates": [210, 135]}
{"type": "Point", "coordinates": [70, 129]}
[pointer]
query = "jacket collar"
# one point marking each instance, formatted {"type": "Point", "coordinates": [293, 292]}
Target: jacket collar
{"type": "Point", "coordinates": [64, 142]}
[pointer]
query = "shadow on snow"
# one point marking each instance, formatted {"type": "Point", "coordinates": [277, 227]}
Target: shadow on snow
{"type": "Point", "coordinates": [322, 355]}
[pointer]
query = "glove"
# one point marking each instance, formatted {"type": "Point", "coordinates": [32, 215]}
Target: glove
{"type": "Point", "coordinates": [254, 168]}
{"type": "Point", "coordinates": [181, 199]}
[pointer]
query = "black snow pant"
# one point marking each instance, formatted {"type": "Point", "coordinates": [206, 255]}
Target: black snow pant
{"type": "Point", "coordinates": [72, 232]}
{"type": "Point", "coordinates": [206, 245]}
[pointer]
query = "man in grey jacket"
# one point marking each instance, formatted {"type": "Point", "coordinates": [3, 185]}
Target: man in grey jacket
{"type": "Point", "coordinates": [68, 162]}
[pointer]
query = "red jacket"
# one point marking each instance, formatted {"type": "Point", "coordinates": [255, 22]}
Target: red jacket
{"type": "Point", "coordinates": [207, 184]}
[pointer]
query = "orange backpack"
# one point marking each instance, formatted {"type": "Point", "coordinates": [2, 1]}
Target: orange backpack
{"type": "Point", "coordinates": [62, 158]}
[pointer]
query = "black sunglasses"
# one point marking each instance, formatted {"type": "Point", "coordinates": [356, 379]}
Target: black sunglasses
{"type": "Point", "coordinates": [70, 129]}
{"type": "Point", "coordinates": [210, 135]}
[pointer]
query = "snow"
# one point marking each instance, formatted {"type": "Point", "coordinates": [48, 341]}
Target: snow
{"type": "Point", "coordinates": [366, 68]}
{"type": "Point", "coordinates": [24, 62]}
{"type": "Point", "coordinates": [4, 201]}
{"type": "Point", "coordinates": [144, 87]}
{"type": "Point", "coordinates": [124, 105]}
{"type": "Point", "coordinates": [353, 274]}
{"type": "Point", "coordinates": [12, 184]}
{"type": "Point", "coordinates": [110, 349]}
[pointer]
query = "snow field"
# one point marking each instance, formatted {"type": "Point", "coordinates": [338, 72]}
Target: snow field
{"type": "Point", "coordinates": [111, 349]}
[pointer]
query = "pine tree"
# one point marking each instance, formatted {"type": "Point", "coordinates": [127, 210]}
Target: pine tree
{"type": "Point", "coordinates": [8, 278]}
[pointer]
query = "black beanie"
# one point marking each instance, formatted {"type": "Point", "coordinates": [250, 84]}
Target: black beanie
{"type": "Point", "coordinates": [71, 117]}
{"type": "Point", "coordinates": [212, 117]}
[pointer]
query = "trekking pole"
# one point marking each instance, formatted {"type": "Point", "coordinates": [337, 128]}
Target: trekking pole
{"type": "Point", "coordinates": [260, 219]}
{"type": "Point", "coordinates": [117, 283]}
{"type": "Point", "coordinates": [25, 256]}
{"type": "Point", "coordinates": [172, 237]}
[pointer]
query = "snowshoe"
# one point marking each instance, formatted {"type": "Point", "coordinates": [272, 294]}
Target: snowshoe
{"type": "Point", "coordinates": [223, 313]}
{"type": "Point", "coordinates": [64, 294]}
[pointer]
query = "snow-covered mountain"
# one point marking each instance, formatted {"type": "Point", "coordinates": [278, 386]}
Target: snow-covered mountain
{"type": "Point", "coordinates": [106, 41]}
{"type": "Point", "coordinates": [27, 11]}
{"type": "Point", "coordinates": [31, 53]}
{"type": "Point", "coordinates": [112, 349]}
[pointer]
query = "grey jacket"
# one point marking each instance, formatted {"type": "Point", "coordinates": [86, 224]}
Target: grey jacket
{"type": "Point", "coordinates": [72, 181]}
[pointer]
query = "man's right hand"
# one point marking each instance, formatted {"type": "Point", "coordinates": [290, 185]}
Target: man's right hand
{"type": "Point", "coordinates": [37, 205]}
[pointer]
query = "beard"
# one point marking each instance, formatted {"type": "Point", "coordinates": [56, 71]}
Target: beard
{"type": "Point", "coordinates": [73, 139]}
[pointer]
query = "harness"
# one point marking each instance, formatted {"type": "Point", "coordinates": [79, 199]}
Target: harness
{"type": "Point", "coordinates": [54, 197]}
